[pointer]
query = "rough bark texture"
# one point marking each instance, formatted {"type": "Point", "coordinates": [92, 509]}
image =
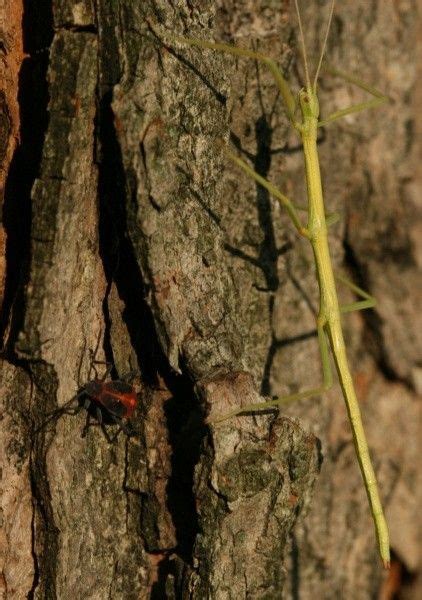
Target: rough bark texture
{"type": "Point", "coordinates": [127, 231]}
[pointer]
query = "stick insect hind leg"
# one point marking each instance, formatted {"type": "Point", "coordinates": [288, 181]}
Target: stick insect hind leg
{"type": "Point", "coordinates": [277, 402]}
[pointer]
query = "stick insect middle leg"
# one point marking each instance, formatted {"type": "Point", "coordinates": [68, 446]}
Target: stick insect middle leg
{"type": "Point", "coordinates": [367, 302]}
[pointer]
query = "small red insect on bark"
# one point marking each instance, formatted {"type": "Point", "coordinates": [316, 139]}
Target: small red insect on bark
{"type": "Point", "coordinates": [112, 401]}
{"type": "Point", "coordinates": [117, 398]}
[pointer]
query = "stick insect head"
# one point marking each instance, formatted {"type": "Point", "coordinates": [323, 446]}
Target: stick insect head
{"type": "Point", "coordinates": [304, 53]}
{"type": "Point", "coordinates": [309, 104]}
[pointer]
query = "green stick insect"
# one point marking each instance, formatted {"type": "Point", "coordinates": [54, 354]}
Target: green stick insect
{"type": "Point", "coordinates": [303, 113]}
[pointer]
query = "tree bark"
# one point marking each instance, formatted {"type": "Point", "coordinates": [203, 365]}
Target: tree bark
{"type": "Point", "coordinates": [128, 233]}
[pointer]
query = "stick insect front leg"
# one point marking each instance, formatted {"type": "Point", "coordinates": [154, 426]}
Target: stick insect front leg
{"type": "Point", "coordinates": [378, 100]}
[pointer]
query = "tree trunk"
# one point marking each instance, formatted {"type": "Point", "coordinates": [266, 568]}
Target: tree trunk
{"type": "Point", "coordinates": [127, 235]}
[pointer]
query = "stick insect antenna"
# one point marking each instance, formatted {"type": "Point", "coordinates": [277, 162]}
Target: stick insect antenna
{"type": "Point", "coordinates": [302, 43]}
{"type": "Point", "coordinates": [324, 45]}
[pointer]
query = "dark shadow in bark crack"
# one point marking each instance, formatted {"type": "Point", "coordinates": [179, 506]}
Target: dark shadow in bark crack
{"type": "Point", "coordinates": [33, 99]}
{"type": "Point", "coordinates": [184, 420]}
{"type": "Point", "coordinates": [187, 430]}
{"type": "Point", "coordinates": [37, 25]}
{"type": "Point", "coordinates": [117, 254]}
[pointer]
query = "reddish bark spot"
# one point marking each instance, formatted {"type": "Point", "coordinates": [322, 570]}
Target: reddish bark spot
{"type": "Point", "coordinates": [293, 499]}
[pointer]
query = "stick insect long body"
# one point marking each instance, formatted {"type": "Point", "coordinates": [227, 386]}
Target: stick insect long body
{"type": "Point", "coordinates": [330, 334]}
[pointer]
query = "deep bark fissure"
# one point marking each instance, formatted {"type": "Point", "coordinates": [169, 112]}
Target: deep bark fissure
{"type": "Point", "coordinates": [24, 168]}
{"type": "Point", "coordinates": [185, 422]}
{"type": "Point", "coordinates": [183, 418]}
{"type": "Point", "coordinates": [46, 542]}
{"type": "Point", "coordinates": [37, 29]}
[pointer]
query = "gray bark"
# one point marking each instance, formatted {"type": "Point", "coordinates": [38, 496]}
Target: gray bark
{"type": "Point", "coordinates": [144, 239]}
